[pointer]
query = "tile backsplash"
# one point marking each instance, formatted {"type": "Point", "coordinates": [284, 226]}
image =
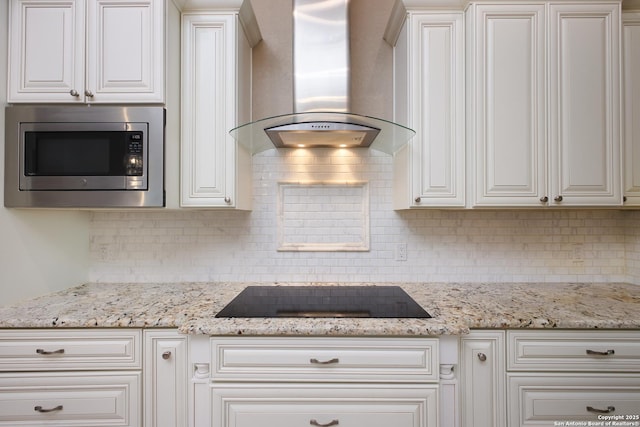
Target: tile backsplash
{"type": "Point", "coordinates": [546, 245]}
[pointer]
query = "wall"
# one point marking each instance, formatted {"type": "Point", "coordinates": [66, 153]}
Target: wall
{"type": "Point", "coordinates": [40, 251]}
{"type": "Point", "coordinates": [442, 245]}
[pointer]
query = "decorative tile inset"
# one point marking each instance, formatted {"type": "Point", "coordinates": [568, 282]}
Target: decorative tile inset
{"type": "Point", "coordinates": [323, 216]}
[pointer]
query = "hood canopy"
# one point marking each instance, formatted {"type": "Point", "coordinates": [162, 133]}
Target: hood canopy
{"type": "Point", "coordinates": [321, 116]}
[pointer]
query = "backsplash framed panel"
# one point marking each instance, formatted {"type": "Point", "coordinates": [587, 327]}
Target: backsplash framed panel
{"type": "Point", "coordinates": [323, 216]}
{"type": "Point", "coordinates": [547, 245]}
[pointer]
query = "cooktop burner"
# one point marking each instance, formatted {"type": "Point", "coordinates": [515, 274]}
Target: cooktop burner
{"type": "Point", "coordinates": [323, 301]}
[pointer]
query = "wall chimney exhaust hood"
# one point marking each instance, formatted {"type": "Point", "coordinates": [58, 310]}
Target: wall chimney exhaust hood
{"type": "Point", "coordinates": [321, 75]}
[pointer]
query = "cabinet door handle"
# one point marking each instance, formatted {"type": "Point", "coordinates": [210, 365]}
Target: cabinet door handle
{"type": "Point", "coordinates": [329, 424]}
{"type": "Point", "coordinates": [166, 355]}
{"type": "Point", "coordinates": [74, 93]}
{"type": "Point", "coordinates": [324, 362]}
{"type": "Point", "coordinates": [600, 353]}
{"type": "Point", "coordinates": [609, 410]}
{"type": "Point", "coordinates": [558, 199]}
{"type": "Point", "coordinates": [88, 93]}
{"type": "Point", "coordinates": [42, 351]}
{"type": "Point", "coordinates": [42, 410]}
{"type": "Point", "coordinates": [482, 357]}
{"type": "Point", "coordinates": [544, 199]}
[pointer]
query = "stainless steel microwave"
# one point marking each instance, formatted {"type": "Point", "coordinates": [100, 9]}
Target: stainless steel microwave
{"type": "Point", "coordinates": [84, 156]}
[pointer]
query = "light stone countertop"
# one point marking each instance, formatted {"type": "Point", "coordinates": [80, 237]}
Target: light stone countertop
{"type": "Point", "coordinates": [456, 308]}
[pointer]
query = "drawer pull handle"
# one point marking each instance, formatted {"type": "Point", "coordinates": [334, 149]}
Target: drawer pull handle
{"type": "Point", "coordinates": [601, 353]}
{"type": "Point", "coordinates": [324, 362]}
{"type": "Point", "coordinates": [42, 410]}
{"type": "Point", "coordinates": [41, 351]}
{"type": "Point", "coordinates": [329, 424]}
{"type": "Point", "coordinates": [609, 410]}
{"type": "Point", "coordinates": [482, 357]}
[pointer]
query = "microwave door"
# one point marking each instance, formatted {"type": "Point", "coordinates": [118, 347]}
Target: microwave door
{"type": "Point", "coordinates": [98, 157]}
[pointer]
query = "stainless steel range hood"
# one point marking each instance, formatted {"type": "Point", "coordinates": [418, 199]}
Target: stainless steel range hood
{"type": "Point", "coordinates": [321, 116]}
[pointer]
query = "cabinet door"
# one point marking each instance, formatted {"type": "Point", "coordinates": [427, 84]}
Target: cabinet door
{"type": "Point", "coordinates": [208, 110]}
{"type": "Point", "coordinates": [125, 51]}
{"type": "Point", "coordinates": [436, 100]}
{"type": "Point", "coordinates": [631, 91]}
{"type": "Point", "coordinates": [165, 379]}
{"type": "Point", "coordinates": [482, 379]}
{"type": "Point", "coordinates": [507, 91]}
{"type": "Point", "coordinates": [344, 405]}
{"type": "Point", "coordinates": [46, 48]}
{"type": "Point", "coordinates": [584, 42]}
{"type": "Point", "coordinates": [81, 399]}
{"type": "Point", "coordinates": [539, 399]}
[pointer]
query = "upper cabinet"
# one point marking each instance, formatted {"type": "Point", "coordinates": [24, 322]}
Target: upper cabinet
{"type": "Point", "coordinates": [86, 51]}
{"type": "Point", "coordinates": [631, 91]}
{"type": "Point", "coordinates": [544, 100]}
{"type": "Point", "coordinates": [216, 97]}
{"type": "Point", "coordinates": [429, 98]}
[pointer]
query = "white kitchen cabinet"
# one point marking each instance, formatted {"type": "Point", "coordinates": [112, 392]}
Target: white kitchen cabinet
{"type": "Point", "coordinates": [321, 381]}
{"type": "Point", "coordinates": [571, 375]}
{"type": "Point", "coordinates": [294, 405]}
{"type": "Point", "coordinates": [429, 98]}
{"type": "Point", "coordinates": [543, 94]}
{"type": "Point", "coordinates": [166, 379]}
{"type": "Point", "coordinates": [76, 377]}
{"type": "Point", "coordinates": [86, 51]}
{"type": "Point", "coordinates": [631, 92]}
{"type": "Point", "coordinates": [216, 97]}
{"type": "Point", "coordinates": [482, 377]}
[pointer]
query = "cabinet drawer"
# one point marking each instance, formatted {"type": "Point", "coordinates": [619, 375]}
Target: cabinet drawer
{"type": "Point", "coordinates": [573, 350]}
{"type": "Point", "coordinates": [325, 359]}
{"type": "Point", "coordinates": [84, 399]}
{"type": "Point", "coordinates": [541, 400]}
{"type": "Point", "coordinates": [250, 405]}
{"type": "Point", "coordinates": [90, 349]}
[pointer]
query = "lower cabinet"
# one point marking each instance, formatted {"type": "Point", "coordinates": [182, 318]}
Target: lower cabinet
{"type": "Point", "coordinates": [75, 377]}
{"type": "Point", "coordinates": [87, 399]}
{"type": "Point", "coordinates": [166, 379]}
{"type": "Point", "coordinates": [559, 376]}
{"type": "Point", "coordinates": [540, 399]}
{"type": "Point", "coordinates": [536, 378]}
{"type": "Point", "coordinates": [291, 405]}
{"type": "Point", "coordinates": [482, 379]}
{"type": "Point", "coordinates": [93, 378]}
{"type": "Point", "coordinates": [322, 382]}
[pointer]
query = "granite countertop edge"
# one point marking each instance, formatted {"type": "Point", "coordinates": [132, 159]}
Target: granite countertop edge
{"type": "Point", "coordinates": [456, 308]}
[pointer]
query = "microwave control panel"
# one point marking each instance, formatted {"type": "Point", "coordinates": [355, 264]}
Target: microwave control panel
{"type": "Point", "coordinates": [135, 153]}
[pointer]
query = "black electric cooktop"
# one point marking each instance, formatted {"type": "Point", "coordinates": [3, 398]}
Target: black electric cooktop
{"type": "Point", "coordinates": [323, 301]}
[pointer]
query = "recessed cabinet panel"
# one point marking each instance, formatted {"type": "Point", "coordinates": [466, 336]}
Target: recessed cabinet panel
{"type": "Point", "coordinates": [631, 91]}
{"type": "Point", "coordinates": [46, 49]}
{"type": "Point", "coordinates": [325, 359]}
{"type": "Point", "coordinates": [209, 100]}
{"type": "Point", "coordinates": [540, 400]}
{"type": "Point", "coordinates": [429, 68]}
{"type": "Point", "coordinates": [75, 349]}
{"type": "Point", "coordinates": [510, 88]}
{"type": "Point", "coordinates": [166, 379]}
{"type": "Point", "coordinates": [482, 379]}
{"type": "Point", "coordinates": [123, 54]}
{"type": "Point", "coordinates": [584, 103]}
{"type": "Point", "coordinates": [94, 399]}
{"type": "Point", "coordinates": [345, 406]}
{"type": "Point", "coordinates": [510, 79]}
{"type": "Point", "coordinates": [574, 351]}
